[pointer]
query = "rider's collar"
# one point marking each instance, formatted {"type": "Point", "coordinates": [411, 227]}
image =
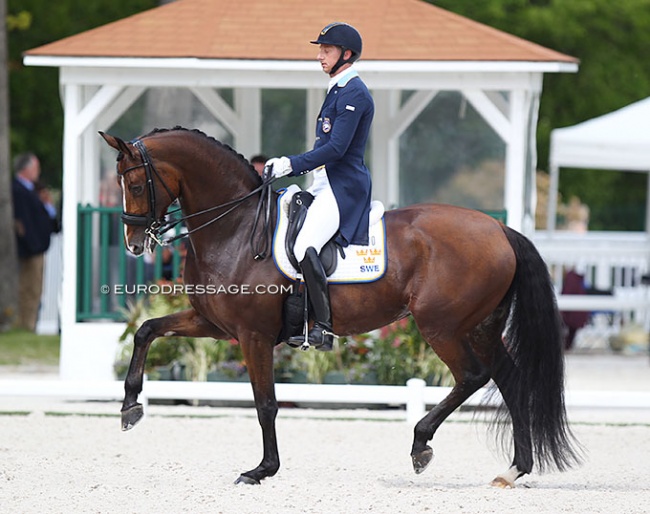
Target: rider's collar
{"type": "Point", "coordinates": [342, 78]}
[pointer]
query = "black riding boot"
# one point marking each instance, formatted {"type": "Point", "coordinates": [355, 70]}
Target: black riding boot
{"type": "Point", "coordinates": [320, 336]}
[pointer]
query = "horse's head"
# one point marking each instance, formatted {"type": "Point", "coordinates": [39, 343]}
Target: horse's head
{"type": "Point", "coordinates": [147, 192]}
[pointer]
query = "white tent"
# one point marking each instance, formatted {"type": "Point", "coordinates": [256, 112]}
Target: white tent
{"type": "Point", "coordinates": [619, 140]}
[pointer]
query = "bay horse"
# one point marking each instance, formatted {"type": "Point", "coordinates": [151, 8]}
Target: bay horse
{"type": "Point", "coordinates": [480, 293]}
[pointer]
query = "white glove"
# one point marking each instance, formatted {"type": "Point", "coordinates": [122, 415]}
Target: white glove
{"type": "Point", "coordinates": [280, 166]}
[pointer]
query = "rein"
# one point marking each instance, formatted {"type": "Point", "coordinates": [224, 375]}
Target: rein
{"type": "Point", "coordinates": [155, 227]}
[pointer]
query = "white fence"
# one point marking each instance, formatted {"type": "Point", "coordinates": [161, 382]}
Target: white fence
{"type": "Point", "coordinates": [607, 259]}
{"type": "Point", "coordinates": [610, 261]}
{"type": "Point", "coordinates": [415, 396]}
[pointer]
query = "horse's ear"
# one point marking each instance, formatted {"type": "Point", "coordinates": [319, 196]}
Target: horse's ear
{"type": "Point", "coordinates": [117, 143]}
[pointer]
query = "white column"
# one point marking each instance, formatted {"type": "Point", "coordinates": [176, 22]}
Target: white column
{"type": "Point", "coordinates": [530, 171]}
{"type": "Point", "coordinates": [87, 349]}
{"type": "Point", "coordinates": [384, 160]}
{"type": "Point", "coordinates": [314, 102]}
{"type": "Point", "coordinates": [91, 177]}
{"type": "Point", "coordinates": [315, 99]}
{"type": "Point", "coordinates": [400, 118]}
{"type": "Point", "coordinates": [71, 177]}
{"type": "Point", "coordinates": [516, 159]}
{"type": "Point", "coordinates": [248, 106]}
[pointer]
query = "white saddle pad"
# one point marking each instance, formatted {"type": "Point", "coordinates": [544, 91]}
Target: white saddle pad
{"type": "Point", "coordinates": [361, 263]}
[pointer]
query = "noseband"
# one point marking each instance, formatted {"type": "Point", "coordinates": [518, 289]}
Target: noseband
{"type": "Point", "coordinates": [156, 226]}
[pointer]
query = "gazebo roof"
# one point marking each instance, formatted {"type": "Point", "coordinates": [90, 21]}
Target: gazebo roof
{"type": "Point", "coordinates": [393, 30]}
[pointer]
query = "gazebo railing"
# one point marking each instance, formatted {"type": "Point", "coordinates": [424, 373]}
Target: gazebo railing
{"type": "Point", "coordinates": [108, 275]}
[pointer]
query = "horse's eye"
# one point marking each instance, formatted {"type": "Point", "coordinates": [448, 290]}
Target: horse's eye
{"type": "Point", "coordinates": [136, 190]}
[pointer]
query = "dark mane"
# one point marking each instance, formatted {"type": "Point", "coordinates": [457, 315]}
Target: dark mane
{"type": "Point", "coordinates": [234, 152]}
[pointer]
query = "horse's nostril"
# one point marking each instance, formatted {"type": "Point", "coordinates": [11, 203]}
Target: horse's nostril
{"type": "Point", "coordinates": [136, 249]}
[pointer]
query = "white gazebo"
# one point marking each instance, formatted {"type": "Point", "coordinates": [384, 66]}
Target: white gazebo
{"type": "Point", "coordinates": [251, 45]}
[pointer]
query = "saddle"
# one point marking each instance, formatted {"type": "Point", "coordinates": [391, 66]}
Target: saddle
{"type": "Point", "coordinates": [295, 311]}
{"type": "Point", "coordinates": [293, 206]}
{"type": "Point", "coordinates": [298, 207]}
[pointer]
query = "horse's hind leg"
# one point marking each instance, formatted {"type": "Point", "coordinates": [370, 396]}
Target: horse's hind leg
{"type": "Point", "coordinates": [522, 463]}
{"type": "Point", "coordinates": [470, 375]}
{"type": "Point", "coordinates": [185, 323]}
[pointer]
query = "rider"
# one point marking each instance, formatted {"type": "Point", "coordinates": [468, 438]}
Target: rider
{"type": "Point", "coordinates": [341, 185]}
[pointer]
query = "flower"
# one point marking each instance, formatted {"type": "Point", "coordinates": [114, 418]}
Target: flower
{"type": "Point", "coordinates": [390, 356]}
{"type": "Point", "coordinates": [401, 353]}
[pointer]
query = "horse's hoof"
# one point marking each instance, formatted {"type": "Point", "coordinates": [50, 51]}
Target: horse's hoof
{"type": "Point", "coordinates": [422, 460]}
{"type": "Point", "coordinates": [502, 483]}
{"type": "Point", "coordinates": [243, 479]}
{"type": "Point", "coordinates": [131, 416]}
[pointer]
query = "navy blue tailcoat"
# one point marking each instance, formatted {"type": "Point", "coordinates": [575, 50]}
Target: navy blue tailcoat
{"type": "Point", "coordinates": [342, 131]}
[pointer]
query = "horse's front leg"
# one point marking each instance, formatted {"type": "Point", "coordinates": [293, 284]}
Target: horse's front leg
{"type": "Point", "coordinates": [259, 361]}
{"type": "Point", "coordinates": [187, 323]}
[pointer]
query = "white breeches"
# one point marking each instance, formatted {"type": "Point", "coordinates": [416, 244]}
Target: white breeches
{"type": "Point", "coordinates": [322, 220]}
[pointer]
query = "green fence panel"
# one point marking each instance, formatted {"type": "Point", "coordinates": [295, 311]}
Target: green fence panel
{"type": "Point", "coordinates": [499, 215]}
{"type": "Point", "coordinates": [107, 275]}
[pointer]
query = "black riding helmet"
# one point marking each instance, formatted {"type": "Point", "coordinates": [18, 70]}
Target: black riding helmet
{"type": "Point", "coordinates": [344, 36]}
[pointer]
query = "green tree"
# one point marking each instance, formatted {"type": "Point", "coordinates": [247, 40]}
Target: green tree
{"type": "Point", "coordinates": [8, 263]}
{"type": "Point", "coordinates": [36, 112]}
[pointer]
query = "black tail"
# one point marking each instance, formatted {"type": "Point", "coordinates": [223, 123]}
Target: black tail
{"type": "Point", "coordinates": [533, 341]}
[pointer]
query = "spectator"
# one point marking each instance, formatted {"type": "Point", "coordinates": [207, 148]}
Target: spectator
{"type": "Point", "coordinates": [573, 283]}
{"type": "Point", "coordinates": [34, 221]}
{"type": "Point", "coordinates": [258, 162]}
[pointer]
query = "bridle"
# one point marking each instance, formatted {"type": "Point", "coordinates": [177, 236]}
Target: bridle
{"type": "Point", "coordinates": [148, 220]}
{"type": "Point", "coordinates": [156, 226]}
